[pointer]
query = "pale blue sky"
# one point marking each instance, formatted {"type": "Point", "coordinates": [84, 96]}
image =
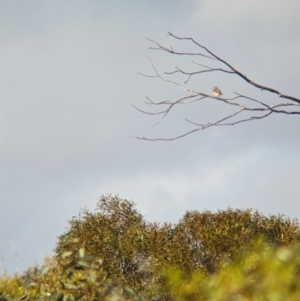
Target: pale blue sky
{"type": "Point", "coordinates": [67, 85]}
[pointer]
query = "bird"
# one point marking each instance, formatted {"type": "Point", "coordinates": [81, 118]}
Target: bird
{"type": "Point", "coordinates": [217, 92]}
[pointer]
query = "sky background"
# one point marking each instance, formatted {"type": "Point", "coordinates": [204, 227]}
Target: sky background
{"type": "Point", "coordinates": [67, 85]}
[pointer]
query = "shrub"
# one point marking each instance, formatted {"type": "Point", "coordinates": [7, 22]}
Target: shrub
{"type": "Point", "coordinates": [262, 274]}
{"type": "Point", "coordinates": [138, 252]}
{"type": "Point", "coordinates": [114, 253]}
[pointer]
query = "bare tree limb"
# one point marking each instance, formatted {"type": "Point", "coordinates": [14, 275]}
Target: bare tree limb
{"type": "Point", "coordinates": [254, 105]}
{"type": "Point", "coordinates": [235, 71]}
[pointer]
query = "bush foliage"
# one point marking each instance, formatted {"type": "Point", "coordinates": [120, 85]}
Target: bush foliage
{"type": "Point", "coordinates": [263, 274]}
{"type": "Point", "coordinates": [114, 253]}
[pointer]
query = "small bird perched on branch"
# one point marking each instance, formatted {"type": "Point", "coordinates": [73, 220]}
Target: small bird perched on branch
{"type": "Point", "coordinates": [217, 92]}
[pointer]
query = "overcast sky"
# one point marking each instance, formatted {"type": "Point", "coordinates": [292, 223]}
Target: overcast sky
{"type": "Point", "coordinates": [67, 85]}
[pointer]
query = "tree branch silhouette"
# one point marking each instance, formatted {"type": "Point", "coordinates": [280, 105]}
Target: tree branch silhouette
{"type": "Point", "coordinates": [260, 109]}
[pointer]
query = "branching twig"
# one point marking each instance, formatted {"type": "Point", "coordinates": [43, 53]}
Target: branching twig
{"type": "Point", "coordinates": [193, 96]}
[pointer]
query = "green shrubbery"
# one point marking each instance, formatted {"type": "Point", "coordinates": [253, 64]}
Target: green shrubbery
{"type": "Point", "coordinates": [262, 274]}
{"type": "Point", "coordinates": [115, 254]}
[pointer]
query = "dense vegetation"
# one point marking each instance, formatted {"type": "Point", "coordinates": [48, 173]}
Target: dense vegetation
{"type": "Point", "coordinates": [114, 253]}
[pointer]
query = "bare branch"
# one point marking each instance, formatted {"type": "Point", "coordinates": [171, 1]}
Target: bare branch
{"type": "Point", "coordinates": [170, 50]}
{"type": "Point", "coordinates": [257, 106]}
{"type": "Point", "coordinates": [237, 72]}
